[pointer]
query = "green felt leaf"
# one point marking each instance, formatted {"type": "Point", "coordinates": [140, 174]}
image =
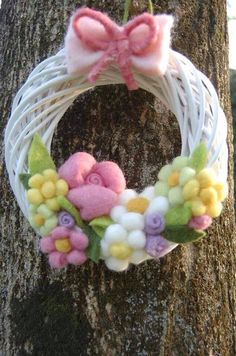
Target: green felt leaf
{"type": "Point", "coordinates": [182, 234]}
{"type": "Point", "coordinates": [99, 225]}
{"type": "Point", "coordinates": [178, 216]}
{"type": "Point", "coordinates": [199, 157]}
{"type": "Point", "coordinates": [65, 204]}
{"type": "Point", "coordinates": [38, 157]}
{"type": "Point", "coordinates": [24, 178]}
{"type": "Point", "coordinates": [94, 249]}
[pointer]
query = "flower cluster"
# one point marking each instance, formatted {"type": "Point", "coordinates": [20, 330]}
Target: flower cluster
{"type": "Point", "coordinates": [65, 246]}
{"type": "Point", "coordinates": [60, 203]}
{"type": "Point", "coordinates": [94, 187]}
{"type": "Point", "coordinates": [45, 187]}
{"type": "Point", "coordinates": [84, 210]}
{"type": "Point", "coordinates": [42, 196]}
{"type": "Point", "coordinates": [136, 230]}
{"type": "Point", "coordinates": [204, 194]}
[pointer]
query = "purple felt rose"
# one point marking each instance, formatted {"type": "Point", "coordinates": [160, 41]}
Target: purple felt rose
{"type": "Point", "coordinates": [157, 246]}
{"type": "Point", "coordinates": [154, 224]}
{"type": "Point", "coordinates": [66, 220]}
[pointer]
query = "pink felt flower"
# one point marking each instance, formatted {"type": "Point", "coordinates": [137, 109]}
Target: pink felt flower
{"type": "Point", "coordinates": [92, 201]}
{"type": "Point", "coordinates": [65, 246]}
{"type": "Point", "coordinates": [94, 187]}
{"type": "Point", "coordinates": [200, 222]}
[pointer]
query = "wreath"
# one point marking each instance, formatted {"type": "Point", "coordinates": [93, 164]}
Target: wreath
{"type": "Point", "coordinates": [83, 209]}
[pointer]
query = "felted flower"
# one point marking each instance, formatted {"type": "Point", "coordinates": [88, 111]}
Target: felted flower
{"type": "Point", "coordinates": [204, 194]}
{"type": "Point", "coordinates": [172, 177]}
{"type": "Point", "coordinates": [131, 202]}
{"type": "Point", "coordinates": [154, 224]}
{"type": "Point", "coordinates": [65, 246]}
{"type": "Point", "coordinates": [42, 218]}
{"type": "Point", "coordinates": [66, 220]}
{"type": "Point", "coordinates": [45, 187]}
{"type": "Point", "coordinates": [129, 229]}
{"type": "Point", "coordinates": [157, 246]}
{"type": "Point", "coordinates": [94, 187]}
{"type": "Point", "coordinates": [200, 222]}
{"type": "Point", "coordinates": [122, 246]}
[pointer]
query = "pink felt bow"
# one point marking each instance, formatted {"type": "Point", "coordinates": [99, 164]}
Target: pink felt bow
{"type": "Point", "coordinates": [93, 42]}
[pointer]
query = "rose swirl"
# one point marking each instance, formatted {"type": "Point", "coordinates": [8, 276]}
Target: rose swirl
{"type": "Point", "coordinates": [66, 220]}
{"type": "Point", "coordinates": [154, 223]}
{"type": "Point", "coordinates": [95, 179]}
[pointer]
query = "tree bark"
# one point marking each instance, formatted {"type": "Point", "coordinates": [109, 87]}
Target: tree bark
{"type": "Point", "coordinates": [183, 304]}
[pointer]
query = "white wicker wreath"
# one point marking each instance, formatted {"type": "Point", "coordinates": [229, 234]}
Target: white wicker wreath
{"type": "Point", "coordinates": [49, 91]}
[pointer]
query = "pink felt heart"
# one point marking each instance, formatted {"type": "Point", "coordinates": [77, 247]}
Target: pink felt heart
{"type": "Point", "coordinates": [92, 200]}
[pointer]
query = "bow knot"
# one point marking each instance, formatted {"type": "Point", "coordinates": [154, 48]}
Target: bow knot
{"type": "Point", "coordinates": [94, 41]}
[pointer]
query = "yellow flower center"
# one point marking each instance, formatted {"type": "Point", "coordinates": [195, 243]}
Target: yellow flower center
{"type": "Point", "coordinates": [120, 250]}
{"type": "Point", "coordinates": [39, 219]}
{"type": "Point", "coordinates": [48, 190]}
{"type": "Point", "coordinates": [63, 245]}
{"type": "Point", "coordinates": [138, 205]}
{"type": "Point", "coordinates": [173, 179]}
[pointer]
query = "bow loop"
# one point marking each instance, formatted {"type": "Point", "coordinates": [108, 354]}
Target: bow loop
{"type": "Point", "coordinates": [142, 32]}
{"type": "Point", "coordinates": [94, 30]}
{"type": "Point", "coordinates": [94, 41]}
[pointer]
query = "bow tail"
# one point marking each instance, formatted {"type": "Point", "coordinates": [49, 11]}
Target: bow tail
{"type": "Point", "coordinates": [123, 59]}
{"type": "Point", "coordinates": [128, 77]}
{"type": "Point", "coordinates": [102, 64]}
{"type": "Point", "coordinates": [125, 66]}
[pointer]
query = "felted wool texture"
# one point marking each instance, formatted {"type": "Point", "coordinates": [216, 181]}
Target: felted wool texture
{"type": "Point", "coordinates": [76, 168]}
{"type": "Point", "coordinates": [157, 246]}
{"type": "Point", "coordinates": [129, 247]}
{"type": "Point", "coordinates": [81, 168]}
{"type": "Point", "coordinates": [111, 174]}
{"type": "Point", "coordinates": [92, 200]}
{"type": "Point", "coordinates": [91, 35]}
{"type": "Point", "coordinates": [200, 222]}
{"type": "Point", "coordinates": [76, 240]}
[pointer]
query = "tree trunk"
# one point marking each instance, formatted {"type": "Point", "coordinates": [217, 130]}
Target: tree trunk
{"type": "Point", "coordinates": [183, 304]}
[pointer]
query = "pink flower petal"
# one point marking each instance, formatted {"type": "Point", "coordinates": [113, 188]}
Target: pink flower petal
{"type": "Point", "coordinates": [76, 168]}
{"type": "Point", "coordinates": [76, 257]}
{"type": "Point", "coordinates": [112, 176]}
{"type": "Point", "coordinates": [60, 232]}
{"type": "Point", "coordinates": [57, 260]}
{"type": "Point", "coordinates": [200, 222]}
{"type": "Point", "coordinates": [47, 245]}
{"type": "Point", "coordinates": [92, 200]}
{"type": "Point", "coordinates": [79, 240]}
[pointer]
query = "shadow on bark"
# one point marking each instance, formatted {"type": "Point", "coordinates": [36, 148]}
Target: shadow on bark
{"type": "Point", "coordinates": [48, 323]}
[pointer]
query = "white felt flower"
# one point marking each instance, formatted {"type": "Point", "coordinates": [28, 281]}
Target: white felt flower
{"type": "Point", "coordinates": [121, 246]}
{"type": "Point", "coordinates": [132, 202]}
{"type": "Point", "coordinates": [124, 242]}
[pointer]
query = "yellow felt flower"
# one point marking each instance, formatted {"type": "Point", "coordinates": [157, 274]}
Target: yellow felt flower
{"type": "Point", "coordinates": [204, 194]}
{"type": "Point", "coordinates": [45, 187]}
